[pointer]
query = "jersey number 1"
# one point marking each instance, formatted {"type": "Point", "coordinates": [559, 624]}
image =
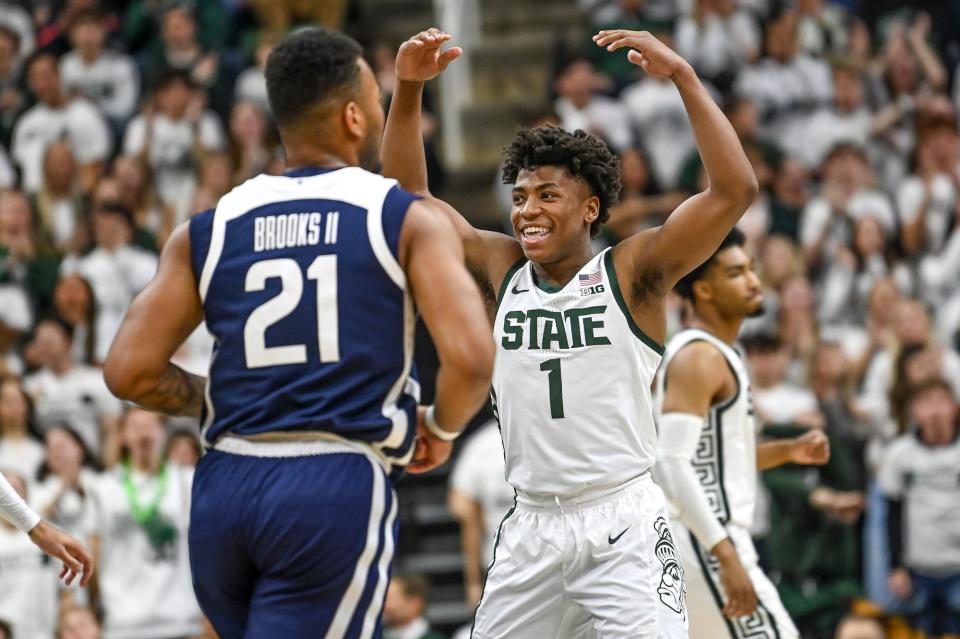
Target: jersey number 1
{"type": "Point", "coordinates": [323, 270]}
{"type": "Point", "coordinates": [552, 366]}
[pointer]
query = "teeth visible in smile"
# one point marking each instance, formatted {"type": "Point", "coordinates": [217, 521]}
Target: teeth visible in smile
{"type": "Point", "coordinates": [533, 231]}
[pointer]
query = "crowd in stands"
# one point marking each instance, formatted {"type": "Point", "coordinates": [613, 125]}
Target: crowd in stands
{"type": "Point", "coordinates": [119, 120]}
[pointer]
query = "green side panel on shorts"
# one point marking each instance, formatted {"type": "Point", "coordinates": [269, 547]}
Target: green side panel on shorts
{"type": "Point", "coordinates": [493, 560]}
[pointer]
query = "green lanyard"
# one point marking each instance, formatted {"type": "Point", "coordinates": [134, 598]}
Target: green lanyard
{"type": "Point", "coordinates": [144, 513]}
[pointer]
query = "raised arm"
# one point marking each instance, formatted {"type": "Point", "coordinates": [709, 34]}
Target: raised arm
{"type": "Point", "coordinates": [160, 319]}
{"type": "Point", "coordinates": [695, 229]}
{"type": "Point", "coordinates": [488, 255]}
{"type": "Point", "coordinates": [697, 378]}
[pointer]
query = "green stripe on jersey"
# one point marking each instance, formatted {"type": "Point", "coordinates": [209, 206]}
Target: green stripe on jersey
{"type": "Point", "coordinates": [621, 302]}
{"type": "Point", "coordinates": [509, 276]}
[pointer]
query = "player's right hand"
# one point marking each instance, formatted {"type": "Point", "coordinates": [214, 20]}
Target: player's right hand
{"type": "Point", "coordinates": [429, 452]}
{"type": "Point", "coordinates": [419, 58]}
{"type": "Point", "coordinates": [76, 560]}
{"type": "Point", "coordinates": [741, 598]}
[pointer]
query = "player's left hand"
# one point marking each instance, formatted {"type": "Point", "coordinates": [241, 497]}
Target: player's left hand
{"type": "Point", "coordinates": [649, 53]}
{"type": "Point", "coordinates": [419, 58]}
{"type": "Point", "coordinates": [812, 448]}
{"type": "Point", "coordinates": [429, 452]}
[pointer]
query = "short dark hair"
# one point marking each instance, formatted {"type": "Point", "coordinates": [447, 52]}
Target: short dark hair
{"type": "Point", "coordinates": [90, 14]}
{"type": "Point", "coordinates": [171, 76]}
{"type": "Point", "coordinates": [414, 585]}
{"type": "Point", "coordinates": [684, 287]}
{"type": "Point", "coordinates": [60, 323]}
{"type": "Point", "coordinates": [583, 156]}
{"type": "Point", "coordinates": [761, 343]}
{"type": "Point", "coordinates": [308, 67]}
{"type": "Point", "coordinates": [927, 385]}
{"type": "Point", "coordinates": [118, 209]}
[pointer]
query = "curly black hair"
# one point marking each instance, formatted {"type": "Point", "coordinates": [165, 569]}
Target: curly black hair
{"type": "Point", "coordinates": [308, 67]}
{"type": "Point", "coordinates": [583, 155]}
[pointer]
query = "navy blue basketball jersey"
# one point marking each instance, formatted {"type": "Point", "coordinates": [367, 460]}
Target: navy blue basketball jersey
{"type": "Point", "coordinates": [312, 318]}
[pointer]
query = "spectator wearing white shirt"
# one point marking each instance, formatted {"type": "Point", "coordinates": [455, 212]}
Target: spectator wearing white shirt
{"type": "Point", "coordinates": [775, 398]}
{"type": "Point", "coordinates": [919, 478]}
{"type": "Point", "coordinates": [251, 84]}
{"type": "Point", "coordinates": [479, 498]}
{"type": "Point", "coordinates": [170, 135]}
{"type": "Point", "coordinates": [579, 107]}
{"type": "Point", "coordinates": [786, 85]}
{"type": "Point", "coordinates": [58, 117]}
{"type": "Point", "coordinates": [116, 269]}
{"type": "Point", "coordinates": [19, 450]}
{"type": "Point", "coordinates": [61, 494]}
{"type": "Point", "coordinates": [140, 519]}
{"type": "Point", "coordinates": [28, 580]}
{"type": "Point", "coordinates": [847, 119]}
{"type": "Point", "coordinates": [65, 391]}
{"type": "Point", "coordinates": [107, 78]}
{"type": "Point", "coordinates": [717, 38]}
{"type": "Point", "coordinates": [75, 303]}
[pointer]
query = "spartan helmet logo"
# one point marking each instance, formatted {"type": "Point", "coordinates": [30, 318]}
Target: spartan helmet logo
{"type": "Point", "coordinates": [672, 591]}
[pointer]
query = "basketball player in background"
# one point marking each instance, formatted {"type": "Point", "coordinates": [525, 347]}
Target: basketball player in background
{"type": "Point", "coordinates": [578, 339]}
{"type": "Point", "coordinates": [307, 281]}
{"type": "Point", "coordinates": [76, 560]}
{"type": "Point", "coordinates": [707, 459]}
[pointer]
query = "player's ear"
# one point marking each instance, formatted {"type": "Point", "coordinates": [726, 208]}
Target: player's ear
{"type": "Point", "coordinates": [702, 289]}
{"type": "Point", "coordinates": [592, 209]}
{"type": "Point", "coordinates": [354, 120]}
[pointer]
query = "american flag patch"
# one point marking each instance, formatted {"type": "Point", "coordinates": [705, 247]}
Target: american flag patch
{"type": "Point", "coordinates": [590, 279]}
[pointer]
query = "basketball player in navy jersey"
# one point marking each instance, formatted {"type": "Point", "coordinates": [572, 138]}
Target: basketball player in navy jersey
{"type": "Point", "coordinates": [307, 282]}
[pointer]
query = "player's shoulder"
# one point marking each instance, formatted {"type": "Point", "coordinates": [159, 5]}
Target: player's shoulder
{"type": "Point", "coordinates": [697, 358]}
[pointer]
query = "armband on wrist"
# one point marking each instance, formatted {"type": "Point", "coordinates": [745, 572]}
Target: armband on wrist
{"type": "Point", "coordinates": [430, 421]}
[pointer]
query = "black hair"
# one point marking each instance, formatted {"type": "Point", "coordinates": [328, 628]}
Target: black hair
{"type": "Point", "coordinates": [171, 76]}
{"type": "Point", "coordinates": [60, 323]}
{"type": "Point", "coordinates": [684, 288]}
{"type": "Point", "coordinates": [583, 156]}
{"type": "Point", "coordinates": [116, 208]}
{"type": "Point", "coordinates": [90, 14]}
{"type": "Point", "coordinates": [308, 67]}
{"type": "Point", "coordinates": [761, 343]}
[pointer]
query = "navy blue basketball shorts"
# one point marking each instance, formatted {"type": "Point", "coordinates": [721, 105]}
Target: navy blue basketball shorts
{"type": "Point", "coordinates": [294, 547]}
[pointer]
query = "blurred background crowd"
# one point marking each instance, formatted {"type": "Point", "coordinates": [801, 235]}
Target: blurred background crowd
{"type": "Point", "coordinates": [120, 119]}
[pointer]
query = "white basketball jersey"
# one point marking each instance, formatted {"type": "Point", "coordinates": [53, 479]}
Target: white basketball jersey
{"type": "Point", "coordinates": [571, 383]}
{"type": "Point", "coordinates": [726, 457]}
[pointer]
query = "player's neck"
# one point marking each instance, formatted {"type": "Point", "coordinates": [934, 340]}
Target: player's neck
{"type": "Point", "coordinates": [557, 274]}
{"type": "Point", "coordinates": [724, 330]}
{"type": "Point", "coordinates": [318, 158]}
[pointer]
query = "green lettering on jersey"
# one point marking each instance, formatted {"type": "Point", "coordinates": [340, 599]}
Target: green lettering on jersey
{"type": "Point", "coordinates": [554, 331]}
{"type": "Point", "coordinates": [574, 328]}
{"type": "Point", "coordinates": [513, 330]}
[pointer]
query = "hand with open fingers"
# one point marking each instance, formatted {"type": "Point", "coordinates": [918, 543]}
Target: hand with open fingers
{"type": "Point", "coordinates": [76, 560]}
{"type": "Point", "coordinates": [811, 448]}
{"type": "Point", "coordinates": [649, 53]}
{"type": "Point", "coordinates": [429, 452]}
{"type": "Point", "coordinates": [741, 598]}
{"type": "Point", "coordinates": [420, 59]}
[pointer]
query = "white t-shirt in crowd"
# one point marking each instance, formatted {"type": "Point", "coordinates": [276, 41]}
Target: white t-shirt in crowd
{"type": "Point", "coordinates": [78, 398]}
{"type": "Point", "coordinates": [22, 456]}
{"type": "Point", "coordinates": [111, 82]}
{"type": "Point", "coordinates": [171, 156]}
{"type": "Point", "coordinates": [479, 474]}
{"type": "Point", "coordinates": [145, 585]}
{"type": "Point", "coordinates": [783, 403]}
{"type": "Point", "coordinates": [15, 311]}
{"type": "Point", "coordinates": [116, 277]}
{"type": "Point", "coordinates": [656, 110]}
{"type": "Point", "coordinates": [911, 195]}
{"type": "Point", "coordinates": [28, 586]}
{"type": "Point", "coordinates": [79, 124]}
{"type": "Point", "coordinates": [603, 117]}
{"type": "Point", "coordinates": [827, 128]}
{"type": "Point", "coordinates": [717, 45]}
{"type": "Point", "coordinates": [252, 87]}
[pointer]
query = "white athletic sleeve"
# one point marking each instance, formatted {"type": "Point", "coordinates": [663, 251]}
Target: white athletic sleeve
{"type": "Point", "coordinates": [14, 509]}
{"type": "Point", "coordinates": [679, 437]}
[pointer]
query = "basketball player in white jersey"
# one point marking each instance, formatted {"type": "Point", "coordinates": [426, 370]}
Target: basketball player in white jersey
{"type": "Point", "coordinates": [708, 456]}
{"type": "Point", "coordinates": [76, 560]}
{"type": "Point", "coordinates": [578, 340]}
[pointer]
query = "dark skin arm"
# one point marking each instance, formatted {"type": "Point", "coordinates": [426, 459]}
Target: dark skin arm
{"type": "Point", "coordinates": [160, 319]}
{"type": "Point", "coordinates": [432, 258]}
{"type": "Point", "coordinates": [488, 255]}
{"type": "Point", "coordinates": [698, 378]}
{"type": "Point", "coordinates": [653, 261]}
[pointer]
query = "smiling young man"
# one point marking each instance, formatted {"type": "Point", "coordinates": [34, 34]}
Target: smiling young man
{"type": "Point", "coordinates": [578, 338]}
